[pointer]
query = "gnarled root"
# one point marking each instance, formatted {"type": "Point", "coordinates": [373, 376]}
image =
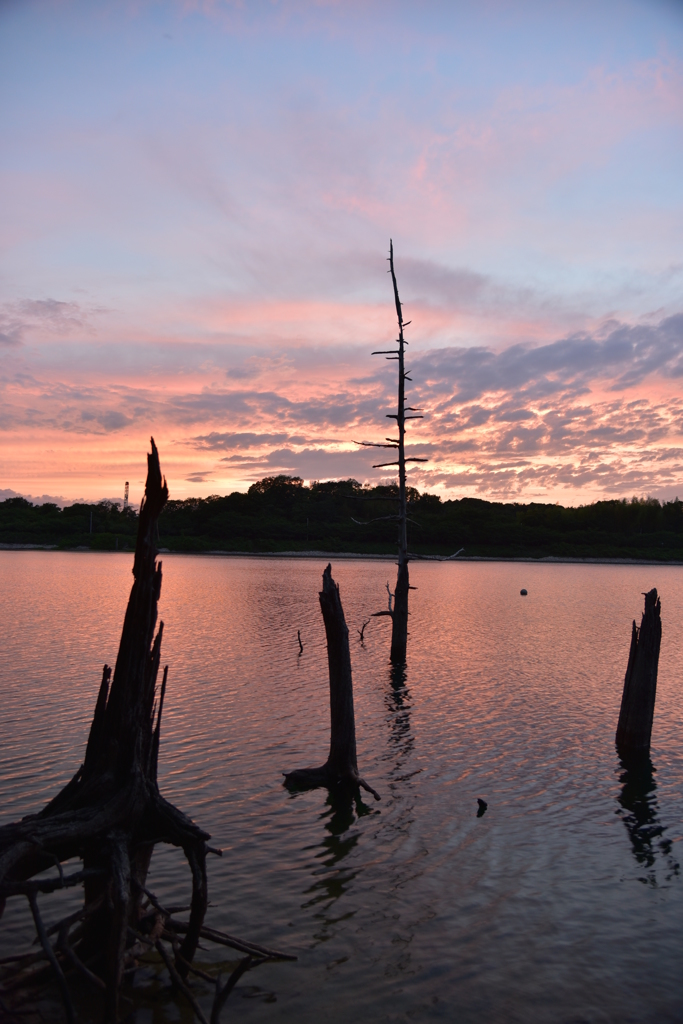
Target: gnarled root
{"type": "Point", "coordinates": [110, 815]}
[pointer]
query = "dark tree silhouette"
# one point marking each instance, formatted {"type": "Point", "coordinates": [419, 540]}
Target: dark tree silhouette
{"type": "Point", "coordinates": [399, 612]}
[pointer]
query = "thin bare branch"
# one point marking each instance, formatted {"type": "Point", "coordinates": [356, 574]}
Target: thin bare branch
{"type": "Point", "coordinates": [47, 884]}
{"type": "Point", "coordinates": [50, 954]}
{"type": "Point", "coordinates": [223, 939]}
{"type": "Point", "coordinates": [75, 960]}
{"type": "Point", "coordinates": [179, 983]}
{"type": "Point", "coordinates": [223, 993]}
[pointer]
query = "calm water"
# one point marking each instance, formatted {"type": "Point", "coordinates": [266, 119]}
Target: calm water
{"type": "Point", "coordinates": [563, 903]}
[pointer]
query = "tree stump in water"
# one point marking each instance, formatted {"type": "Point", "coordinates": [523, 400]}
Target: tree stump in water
{"type": "Point", "coordinates": [111, 814]}
{"type": "Point", "coordinates": [399, 618]}
{"type": "Point", "coordinates": [341, 767]}
{"type": "Point", "coordinates": [634, 729]}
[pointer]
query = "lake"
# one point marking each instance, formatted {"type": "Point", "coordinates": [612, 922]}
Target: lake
{"type": "Point", "coordinates": [562, 903]}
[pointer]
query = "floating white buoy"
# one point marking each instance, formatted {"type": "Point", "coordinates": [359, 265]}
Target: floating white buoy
{"type": "Point", "coordinates": [523, 592]}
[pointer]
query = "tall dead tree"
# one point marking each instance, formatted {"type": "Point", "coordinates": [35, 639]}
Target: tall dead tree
{"type": "Point", "coordinates": [399, 612]}
{"type": "Point", "coordinates": [634, 729]}
{"type": "Point", "coordinates": [341, 767]}
{"type": "Point", "coordinates": [111, 814]}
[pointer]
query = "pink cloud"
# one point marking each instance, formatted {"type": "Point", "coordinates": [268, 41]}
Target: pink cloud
{"type": "Point", "coordinates": [568, 420]}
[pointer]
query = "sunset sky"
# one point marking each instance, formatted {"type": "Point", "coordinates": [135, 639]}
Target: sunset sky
{"type": "Point", "coordinates": [196, 201]}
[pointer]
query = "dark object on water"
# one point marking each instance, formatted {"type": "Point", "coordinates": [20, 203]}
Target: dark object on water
{"type": "Point", "coordinates": [341, 767]}
{"type": "Point", "coordinates": [523, 592]}
{"type": "Point", "coordinates": [301, 646]}
{"type": "Point", "coordinates": [640, 685]}
{"type": "Point", "coordinates": [482, 807]}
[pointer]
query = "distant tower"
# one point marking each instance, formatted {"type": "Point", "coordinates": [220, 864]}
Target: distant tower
{"type": "Point", "coordinates": [125, 496]}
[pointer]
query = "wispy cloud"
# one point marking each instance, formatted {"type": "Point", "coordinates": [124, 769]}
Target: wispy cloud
{"type": "Point", "coordinates": [589, 413]}
{"type": "Point", "coordinates": [34, 318]}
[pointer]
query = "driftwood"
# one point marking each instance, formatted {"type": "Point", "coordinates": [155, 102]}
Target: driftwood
{"type": "Point", "coordinates": [110, 816]}
{"type": "Point", "coordinates": [399, 612]}
{"type": "Point", "coordinates": [634, 729]}
{"type": "Point", "coordinates": [341, 767]}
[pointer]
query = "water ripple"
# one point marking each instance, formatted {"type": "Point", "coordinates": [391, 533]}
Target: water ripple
{"type": "Point", "coordinates": [562, 903]}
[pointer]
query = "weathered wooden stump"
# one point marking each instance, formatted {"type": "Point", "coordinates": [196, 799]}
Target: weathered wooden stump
{"type": "Point", "coordinates": [634, 729]}
{"type": "Point", "coordinates": [341, 767]}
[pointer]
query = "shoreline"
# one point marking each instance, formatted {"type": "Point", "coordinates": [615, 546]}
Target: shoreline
{"type": "Point", "coordinates": [337, 555]}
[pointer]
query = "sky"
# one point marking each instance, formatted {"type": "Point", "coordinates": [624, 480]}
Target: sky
{"type": "Point", "coordinates": [196, 202]}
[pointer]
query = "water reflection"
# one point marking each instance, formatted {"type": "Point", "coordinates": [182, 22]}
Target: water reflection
{"type": "Point", "coordinates": [398, 704]}
{"type": "Point", "coordinates": [639, 810]}
{"type": "Point", "coordinates": [342, 809]}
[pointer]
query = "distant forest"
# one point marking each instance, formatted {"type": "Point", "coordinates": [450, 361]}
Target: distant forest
{"type": "Point", "coordinates": [281, 514]}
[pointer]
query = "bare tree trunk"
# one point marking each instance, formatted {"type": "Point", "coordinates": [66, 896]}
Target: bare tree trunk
{"type": "Point", "coordinates": [399, 619]}
{"type": "Point", "coordinates": [634, 730]}
{"type": "Point", "coordinates": [341, 767]}
{"type": "Point", "coordinates": [399, 613]}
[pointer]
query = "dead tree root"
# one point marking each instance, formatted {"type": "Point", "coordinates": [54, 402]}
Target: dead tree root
{"type": "Point", "coordinates": [156, 927]}
{"type": "Point", "coordinates": [110, 816]}
{"type": "Point", "coordinates": [302, 779]}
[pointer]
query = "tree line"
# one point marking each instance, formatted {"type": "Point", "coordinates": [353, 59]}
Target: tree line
{"type": "Point", "coordinates": [282, 514]}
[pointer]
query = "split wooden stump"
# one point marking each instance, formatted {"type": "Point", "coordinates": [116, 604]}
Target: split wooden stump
{"type": "Point", "coordinates": [634, 729]}
{"type": "Point", "coordinates": [341, 768]}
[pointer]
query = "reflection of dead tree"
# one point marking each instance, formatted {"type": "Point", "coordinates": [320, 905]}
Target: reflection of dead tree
{"type": "Point", "coordinates": [639, 811]}
{"type": "Point", "coordinates": [341, 767]}
{"type": "Point", "coordinates": [110, 816]}
{"type": "Point", "coordinates": [399, 613]}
